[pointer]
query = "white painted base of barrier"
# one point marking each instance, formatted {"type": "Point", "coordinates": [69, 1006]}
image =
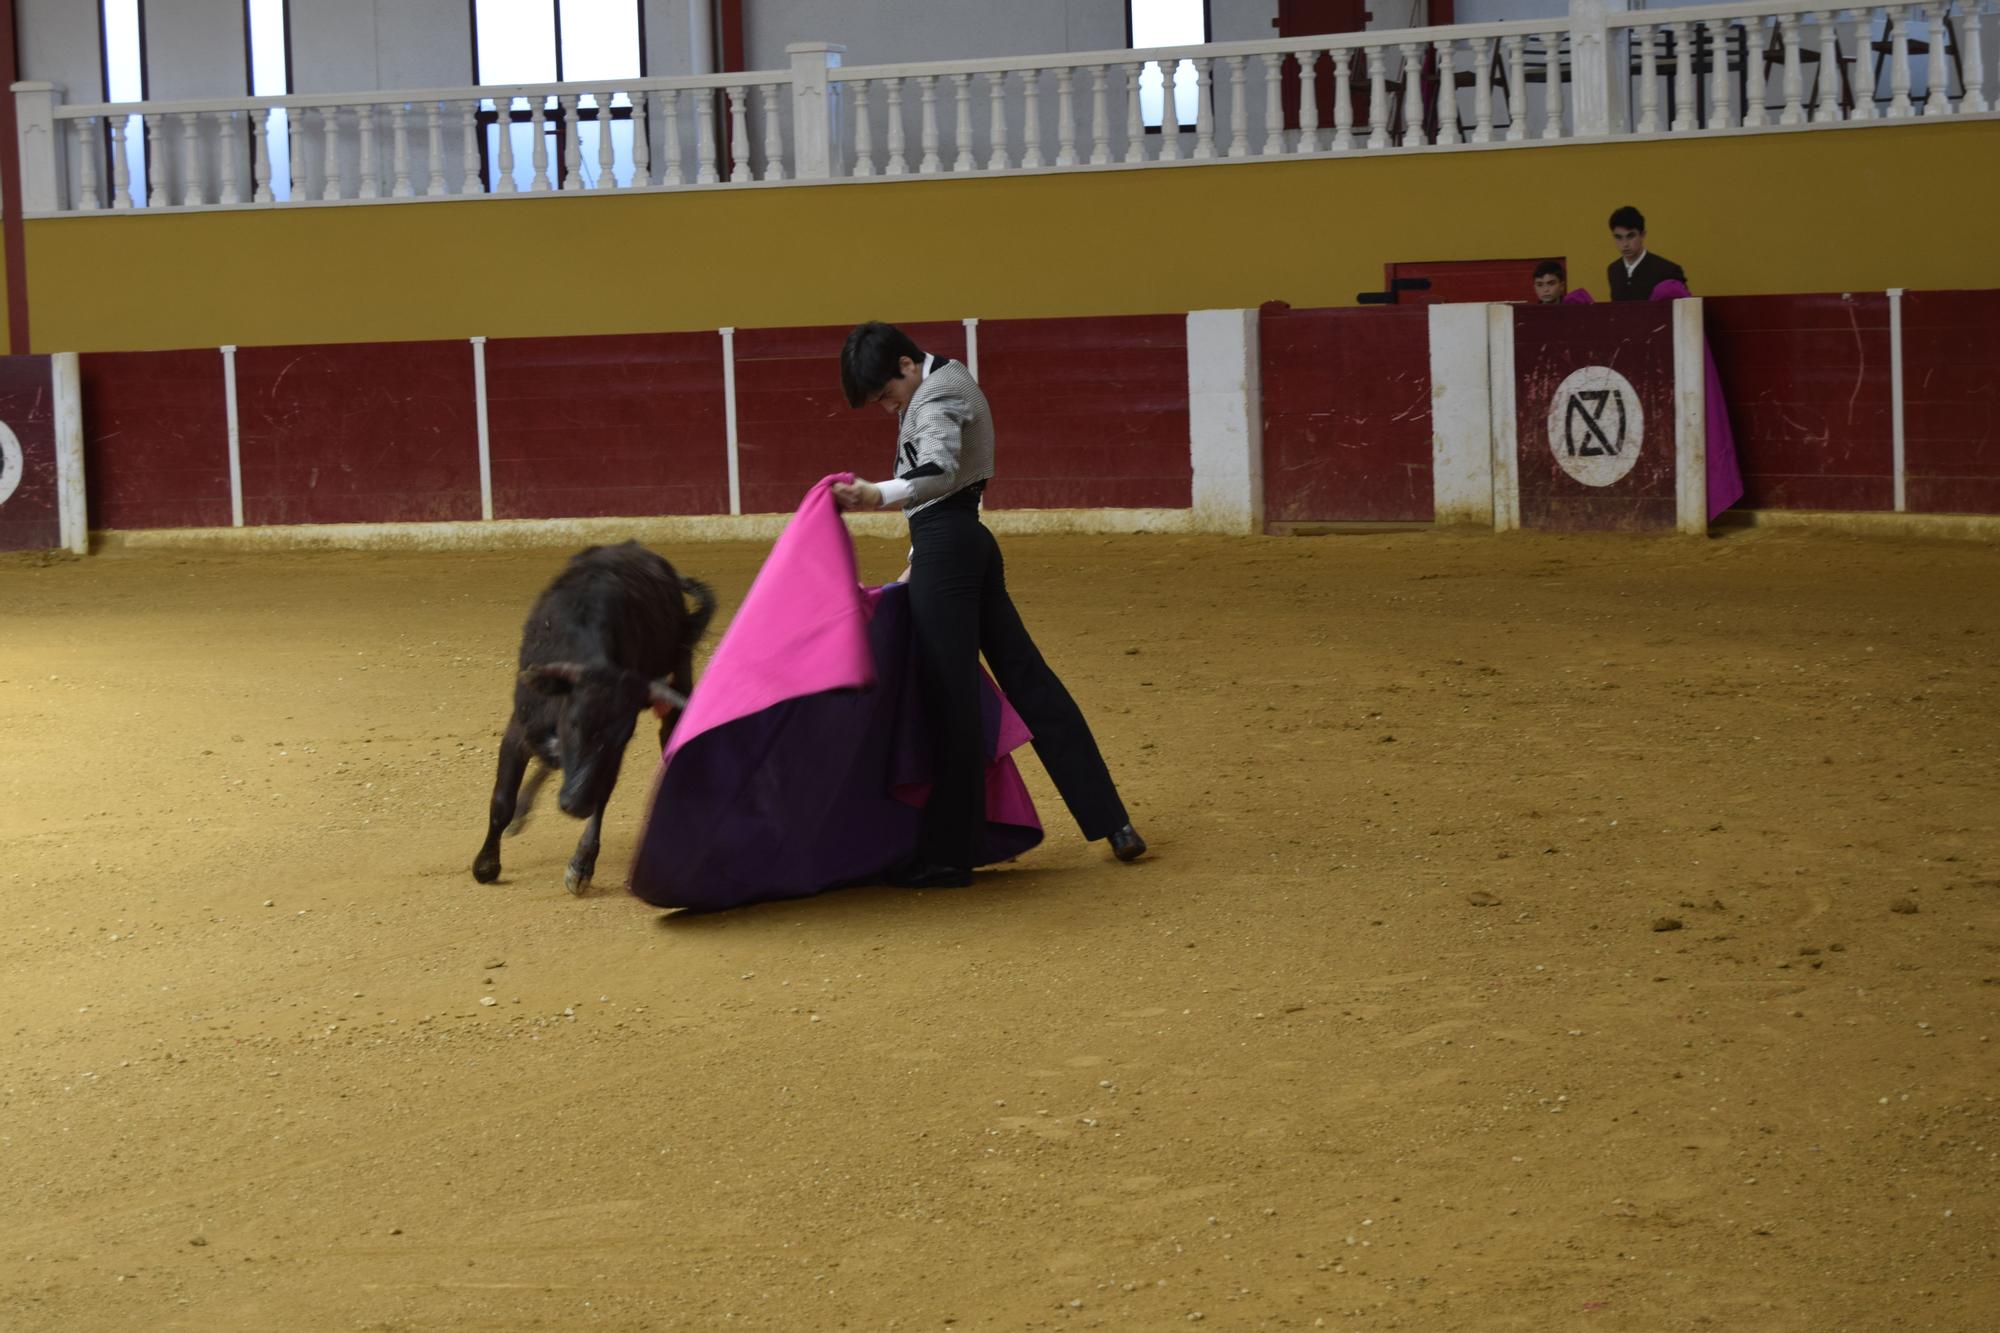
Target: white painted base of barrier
{"type": "Point", "coordinates": [506, 534]}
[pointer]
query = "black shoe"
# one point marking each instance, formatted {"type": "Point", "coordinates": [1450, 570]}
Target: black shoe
{"type": "Point", "coordinates": [1127, 845]}
{"type": "Point", "coordinates": [925, 875]}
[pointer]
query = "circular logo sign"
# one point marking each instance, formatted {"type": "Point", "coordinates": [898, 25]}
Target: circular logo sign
{"type": "Point", "coordinates": [11, 466]}
{"type": "Point", "coordinates": [1596, 425]}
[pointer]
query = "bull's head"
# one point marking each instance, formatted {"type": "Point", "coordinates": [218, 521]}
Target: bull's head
{"type": "Point", "coordinates": [600, 706]}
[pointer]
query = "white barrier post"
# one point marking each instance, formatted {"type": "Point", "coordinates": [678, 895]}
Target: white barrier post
{"type": "Point", "coordinates": [729, 420]}
{"type": "Point", "coordinates": [1690, 420]}
{"type": "Point", "coordinates": [72, 516]}
{"type": "Point", "coordinates": [1226, 421]}
{"type": "Point", "coordinates": [235, 437]}
{"type": "Point", "coordinates": [1461, 415]}
{"type": "Point", "coordinates": [1506, 459]}
{"type": "Point", "coordinates": [1896, 397]}
{"type": "Point", "coordinates": [485, 434]}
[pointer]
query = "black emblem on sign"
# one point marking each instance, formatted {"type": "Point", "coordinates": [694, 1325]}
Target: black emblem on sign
{"type": "Point", "coordinates": [1586, 430]}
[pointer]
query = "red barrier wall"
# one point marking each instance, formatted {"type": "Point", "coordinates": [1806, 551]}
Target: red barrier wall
{"type": "Point", "coordinates": [1951, 402]}
{"type": "Point", "coordinates": [358, 433]}
{"type": "Point", "coordinates": [792, 424]}
{"type": "Point", "coordinates": [1088, 413]}
{"type": "Point", "coordinates": [156, 439]}
{"type": "Point", "coordinates": [1347, 415]}
{"type": "Point", "coordinates": [615, 426]}
{"type": "Point", "coordinates": [29, 518]}
{"type": "Point", "coordinates": [1807, 381]}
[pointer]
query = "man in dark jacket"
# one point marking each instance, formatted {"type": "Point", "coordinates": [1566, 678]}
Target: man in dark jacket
{"type": "Point", "coordinates": [1635, 272]}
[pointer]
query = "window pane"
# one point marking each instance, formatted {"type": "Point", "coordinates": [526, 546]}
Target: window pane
{"type": "Point", "coordinates": [600, 39]}
{"type": "Point", "coordinates": [124, 73]}
{"type": "Point", "coordinates": [267, 49]}
{"type": "Point", "coordinates": [1167, 23]}
{"type": "Point", "coordinates": [517, 41]}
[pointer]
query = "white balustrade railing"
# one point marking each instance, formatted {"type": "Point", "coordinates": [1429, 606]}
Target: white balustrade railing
{"type": "Point", "coordinates": [1717, 67]}
{"type": "Point", "coordinates": [1593, 74]}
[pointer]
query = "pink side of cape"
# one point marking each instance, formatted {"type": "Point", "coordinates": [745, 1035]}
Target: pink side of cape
{"type": "Point", "coordinates": [803, 629]}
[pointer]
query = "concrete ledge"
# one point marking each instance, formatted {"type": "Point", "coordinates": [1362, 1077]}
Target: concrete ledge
{"type": "Point", "coordinates": [503, 534]}
{"type": "Point", "coordinates": [1958, 527]}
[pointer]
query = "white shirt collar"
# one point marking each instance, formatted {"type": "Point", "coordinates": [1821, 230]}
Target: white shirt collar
{"type": "Point", "coordinates": [929, 361]}
{"type": "Point", "coordinates": [1631, 264]}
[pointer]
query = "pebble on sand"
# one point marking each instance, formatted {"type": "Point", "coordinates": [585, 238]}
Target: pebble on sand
{"type": "Point", "coordinates": [1904, 907]}
{"type": "Point", "coordinates": [1667, 923]}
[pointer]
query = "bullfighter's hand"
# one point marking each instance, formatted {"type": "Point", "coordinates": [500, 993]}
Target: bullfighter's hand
{"type": "Point", "coordinates": [857, 495]}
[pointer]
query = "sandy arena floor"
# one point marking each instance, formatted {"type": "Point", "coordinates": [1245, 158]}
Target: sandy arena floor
{"type": "Point", "coordinates": [1540, 934]}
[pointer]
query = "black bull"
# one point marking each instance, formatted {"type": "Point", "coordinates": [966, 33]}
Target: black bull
{"type": "Point", "coordinates": [611, 637]}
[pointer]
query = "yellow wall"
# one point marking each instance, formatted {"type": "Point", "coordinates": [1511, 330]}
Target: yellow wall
{"type": "Point", "coordinates": [1818, 210]}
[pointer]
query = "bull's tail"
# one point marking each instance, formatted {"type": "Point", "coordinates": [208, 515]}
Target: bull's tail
{"type": "Point", "coordinates": [704, 607]}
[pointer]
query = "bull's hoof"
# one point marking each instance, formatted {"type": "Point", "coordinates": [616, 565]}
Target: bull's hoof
{"type": "Point", "coordinates": [486, 871]}
{"type": "Point", "coordinates": [576, 881]}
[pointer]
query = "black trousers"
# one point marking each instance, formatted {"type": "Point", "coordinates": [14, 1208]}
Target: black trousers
{"type": "Point", "coordinates": [959, 608]}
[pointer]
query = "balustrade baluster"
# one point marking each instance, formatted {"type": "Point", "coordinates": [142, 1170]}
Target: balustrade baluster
{"type": "Point", "coordinates": [1031, 118]}
{"type": "Point", "coordinates": [607, 149]}
{"type": "Point", "coordinates": [642, 140]}
{"type": "Point", "coordinates": [1864, 67]}
{"type": "Point", "coordinates": [1828, 108]}
{"type": "Point", "coordinates": [572, 142]}
{"type": "Point", "coordinates": [1135, 125]}
{"type": "Point", "coordinates": [1308, 102]}
{"type": "Point", "coordinates": [1274, 107]}
{"type": "Point", "coordinates": [85, 129]}
{"type": "Point", "coordinates": [774, 132]}
{"type": "Point", "coordinates": [961, 110]}
{"type": "Point", "coordinates": [898, 164]}
{"type": "Point", "coordinates": [503, 119]}
{"type": "Point", "coordinates": [1170, 112]}
{"type": "Point", "coordinates": [1795, 111]}
{"type": "Point", "coordinates": [927, 84]}
{"type": "Point", "coordinates": [1482, 90]}
{"type": "Point", "coordinates": [371, 181]}
{"type": "Point", "coordinates": [260, 156]}
{"type": "Point", "coordinates": [1754, 95]}
{"type": "Point", "coordinates": [538, 120]}
{"type": "Point", "coordinates": [468, 149]}
{"type": "Point", "coordinates": [192, 191]}
{"type": "Point", "coordinates": [999, 157]}
{"type": "Point", "coordinates": [1899, 63]}
{"type": "Point", "coordinates": [1719, 114]}
{"type": "Point", "coordinates": [1343, 99]}
{"type": "Point", "coordinates": [331, 182]}
{"type": "Point", "coordinates": [1239, 116]}
{"type": "Point", "coordinates": [1100, 117]}
{"type": "Point", "coordinates": [1937, 65]}
{"type": "Point", "coordinates": [1683, 79]}
{"type": "Point", "coordinates": [672, 172]}
{"type": "Point", "coordinates": [1066, 117]}
{"type": "Point", "coordinates": [704, 137]}
{"type": "Point", "coordinates": [1552, 98]}
{"type": "Point", "coordinates": [864, 133]}
{"type": "Point", "coordinates": [739, 134]}
{"type": "Point", "coordinates": [121, 166]}
{"type": "Point", "coordinates": [434, 135]}
{"type": "Point", "coordinates": [399, 131]}
{"type": "Point", "coordinates": [1974, 74]}
{"type": "Point", "coordinates": [1378, 98]}
{"type": "Point", "coordinates": [1447, 90]}
{"type": "Point", "coordinates": [156, 161]}
{"type": "Point", "coordinates": [1204, 110]}
{"type": "Point", "coordinates": [1517, 86]}
{"type": "Point", "coordinates": [1411, 72]}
